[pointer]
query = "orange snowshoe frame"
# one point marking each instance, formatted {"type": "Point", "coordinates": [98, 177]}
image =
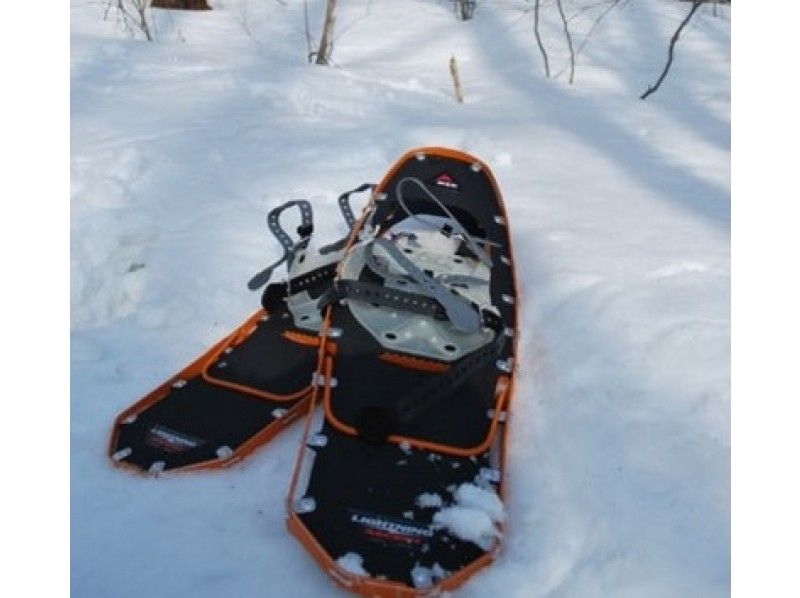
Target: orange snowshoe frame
{"type": "Point", "coordinates": [287, 407]}
{"type": "Point", "coordinates": [494, 441]}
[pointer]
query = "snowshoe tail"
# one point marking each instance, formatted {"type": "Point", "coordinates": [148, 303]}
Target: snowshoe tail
{"type": "Point", "coordinates": [397, 490]}
{"type": "Point", "coordinates": [248, 386]}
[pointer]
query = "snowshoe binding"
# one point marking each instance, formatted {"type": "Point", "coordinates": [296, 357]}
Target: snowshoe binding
{"type": "Point", "coordinates": [252, 383]}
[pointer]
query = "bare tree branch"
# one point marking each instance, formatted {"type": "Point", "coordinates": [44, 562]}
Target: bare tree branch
{"type": "Point", "coordinates": [244, 21]}
{"type": "Point", "coordinates": [609, 6]}
{"type": "Point", "coordinates": [595, 25]}
{"type": "Point", "coordinates": [307, 29]}
{"type": "Point", "coordinates": [569, 41]}
{"type": "Point", "coordinates": [587, 8]}
{"type": "Point", "coordinates": [539, 39]}
{"type": "Point", "coordinates": [653, 88]}
{"type": "Point", "coordinates": [133, 14]}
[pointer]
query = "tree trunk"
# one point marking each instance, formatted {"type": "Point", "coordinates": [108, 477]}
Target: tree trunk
{"type": "Point", "coordinates": [465, 9]}
{"type": "Point", "coordinates": [326, 41]}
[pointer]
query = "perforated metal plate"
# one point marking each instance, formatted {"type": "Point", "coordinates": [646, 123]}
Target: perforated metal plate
{"type": "Point", "coordinates": [301, 305]}
{"type": "Point", "coordinates": [398, 330]}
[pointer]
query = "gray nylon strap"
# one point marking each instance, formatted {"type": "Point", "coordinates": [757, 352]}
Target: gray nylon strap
{"type": "Point", "coordinates": [404, 300]}
{"type": "Point", "coordinates": [345, 288]}
{"type": "Point", "coordinates": [458, 229]}
{"type": "Point", "coordinates": [276, 293]}
{"type": "Point", "coordinates": [454, 279]}
{"type": "Point", "coordinates": [348, 215]}
{"type": "Point", "coordinates": [459, 311]}
{"type": "Point", "coordinates": [289, 246]}
{"type": "Point", "coordinates": [461, 279]}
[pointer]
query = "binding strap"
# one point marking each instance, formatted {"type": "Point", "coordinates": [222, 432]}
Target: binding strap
{"type": "Point", "coordinates": [278, 291]}
{"type": "Point", "coordinates": [290, 248]}
{"type": "Point", "coordinates": [455, 227]}
{"type": "Point", "coordinates": [348, 215]}
{"type": "Point", "coordinates": [459, 310]}
{"type": "Point", "coordinates": [375, 423]}
{"type": "Point", "coordinates": [395, 298]}
{"type": "Point", "coordinates": [453, 279]}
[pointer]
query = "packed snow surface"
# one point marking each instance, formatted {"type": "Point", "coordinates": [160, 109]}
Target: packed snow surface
{"type": "Point", "coordinates": [353, 563]}
{"type": "Point", "coordinates": [618, 480]}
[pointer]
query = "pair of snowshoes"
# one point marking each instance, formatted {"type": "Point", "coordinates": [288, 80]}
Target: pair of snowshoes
{"type": "Point", "coordinates": [404, 333]}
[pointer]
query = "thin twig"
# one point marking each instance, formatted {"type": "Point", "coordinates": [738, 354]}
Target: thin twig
{"type": "Point", "coordinates": [456, 80]}
{"type": "Point", "coordinates": [539, 39]}
{"type": "Point", "coordinates": [653, 88]}
{"type": "Point", "coordinates": [309, 44]}
{"type": "Point", "coordinates": [131, 21]}
{"type": "Point", "coordinates": [613, 4]}
{"type": "Point", "coordinates": [587, 8]}
{"type": "Point", "coordinates": [244, 21]}
{"type": "Point", "coordinates": [569, 41]}
{"type": "Point", "coordinates": [595, 25]}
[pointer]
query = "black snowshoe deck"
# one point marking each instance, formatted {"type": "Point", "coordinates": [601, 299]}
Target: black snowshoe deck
{"type": "Point", "coordinates": [231, 400]}
{"type": "Point", "coordinates": [366, 503]}
{"type": "Point", "coordinates": [371, 477]}
{"type": "Point", "coordinates": [252, 383]}
{"type": "Point", "coordinates": [368, 377]}
{"type": "Point", "coordinates": [405, 333]}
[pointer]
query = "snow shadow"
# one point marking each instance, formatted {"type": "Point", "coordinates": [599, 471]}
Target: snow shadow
{"type": "Point", "coordinates": [684, 104]}
{"type": "Point", "coordinates": [587, 119]}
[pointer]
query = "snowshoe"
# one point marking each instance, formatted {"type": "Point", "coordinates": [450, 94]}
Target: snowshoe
{"type": "Point", "coordinates": [252, 383]}
{"type": "Point", "coordinates": [397, 487]}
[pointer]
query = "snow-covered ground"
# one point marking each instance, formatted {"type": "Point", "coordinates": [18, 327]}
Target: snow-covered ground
{"type": "Point", "coordinates": [619, 454]}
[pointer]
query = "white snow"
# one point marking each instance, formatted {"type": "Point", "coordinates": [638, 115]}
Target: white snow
{"type": "Point", "coordinates": [474, 516]}
{"type": "Point", "coordinates": [429, 500]}
{"type": "Point", "coordinates": [470, 495]}
{"type": "Point", "coordinates": [618, 478]}
{"type": "Point", "coordinates": [353, 563]}
{"type": "Point", "coordinates": [468, 524]}
{"type": "Point", "coordinates": [424, 577]}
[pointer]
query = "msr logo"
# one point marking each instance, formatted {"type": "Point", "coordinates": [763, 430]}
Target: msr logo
{"type": "Point", "coordinates": [446, 180]}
